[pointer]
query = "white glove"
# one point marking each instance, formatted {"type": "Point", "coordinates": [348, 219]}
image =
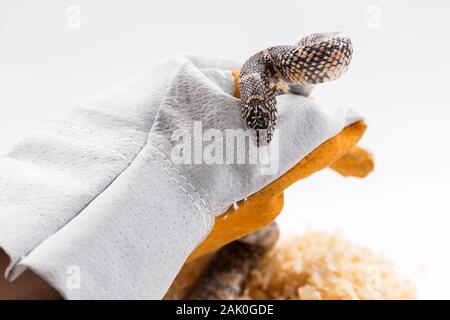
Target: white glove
{"type": "Point", "coordinates": [131, 239]}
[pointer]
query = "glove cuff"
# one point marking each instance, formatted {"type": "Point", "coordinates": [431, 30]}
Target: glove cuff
{"type": "Point", "coordinates": [131, 241]}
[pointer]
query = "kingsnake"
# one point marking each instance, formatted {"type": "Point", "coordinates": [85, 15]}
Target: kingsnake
{"type": "Point", "coordinates": [317, 58]}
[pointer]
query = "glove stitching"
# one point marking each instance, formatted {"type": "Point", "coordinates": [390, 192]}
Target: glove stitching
{"type": "Point", "coordinates": [96, 133]}
{"type": "Point", "coordinates": [89, 144]}
{"type": "Point", "coordinates": [206, 218]}
{"type": "Point", "coordinates": [176, 182]}
{"type": "Point", "coordinates": [177, 172]}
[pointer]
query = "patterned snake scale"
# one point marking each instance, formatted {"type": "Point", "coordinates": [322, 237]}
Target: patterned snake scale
{"type": "Point", "coordinates": [225, 276]}
{"type": "Point", "coordinates": [317, 58]}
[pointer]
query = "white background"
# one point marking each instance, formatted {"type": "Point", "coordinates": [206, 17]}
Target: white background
{"type": "Point", "coordinates": [398, 80]}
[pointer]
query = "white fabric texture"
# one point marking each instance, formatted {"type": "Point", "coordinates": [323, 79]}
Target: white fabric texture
{"type": "Point", "coordinates": [99, 191]}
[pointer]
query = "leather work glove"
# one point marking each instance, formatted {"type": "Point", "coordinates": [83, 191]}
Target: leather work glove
{"type": "Point", "coordinates": [122, 213]}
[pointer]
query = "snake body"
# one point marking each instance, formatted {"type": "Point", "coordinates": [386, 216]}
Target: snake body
{"type": "Point", "coordinates": [315, 59]}
{"type": "Point", "coordinates": [225, 276]}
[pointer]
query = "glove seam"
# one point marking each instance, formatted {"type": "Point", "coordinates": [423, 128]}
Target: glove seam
{"type": "Point", "coordinates": [97, 133]}
{"type": "Point", "coordinates": [167, 167]}
{"type": "Point", "coordinates": [108, 150]}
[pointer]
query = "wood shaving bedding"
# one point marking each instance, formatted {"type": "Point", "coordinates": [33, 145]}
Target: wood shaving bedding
{"type": "Point", "coordinates": [320, 266]}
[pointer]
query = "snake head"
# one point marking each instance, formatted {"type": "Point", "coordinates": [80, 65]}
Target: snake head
{"type": "Point", "coordinates": [258, 106]}
{"type": "Point", "coordinates": [259, 114]}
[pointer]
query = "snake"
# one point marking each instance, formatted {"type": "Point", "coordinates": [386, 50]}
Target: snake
{"type": "Point", "coordinates": [315, 59]}
{"type": "Point", "coordinates": [225, 276]}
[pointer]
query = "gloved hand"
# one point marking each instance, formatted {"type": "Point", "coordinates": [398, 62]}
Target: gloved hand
{"type": "Point", "coordinates": [61, 166]}
{"type": "Point", "coordinates": [132, 238]}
